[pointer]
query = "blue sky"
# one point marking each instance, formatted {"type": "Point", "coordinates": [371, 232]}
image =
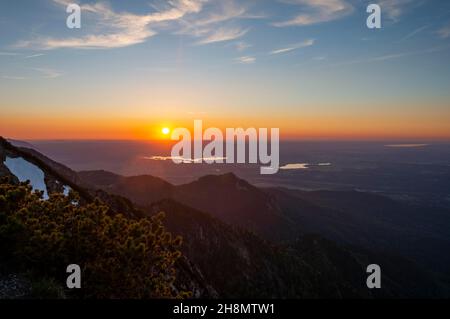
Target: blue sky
{"type": "Point", "coordinates": [225, 58]}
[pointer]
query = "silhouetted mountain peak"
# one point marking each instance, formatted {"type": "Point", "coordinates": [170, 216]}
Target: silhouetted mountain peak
{"type": "Point", "coordinates": [228, 181]}
{"type": "Point", "coordinates": [227, 177]}
{"type": "Point", "coordinates": [101, 177]}
{"type": "Point", "coordinates": [222, 216]}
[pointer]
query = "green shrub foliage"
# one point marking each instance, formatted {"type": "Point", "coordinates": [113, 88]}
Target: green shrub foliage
{"type": "Point", "coordinates": [119, 257]}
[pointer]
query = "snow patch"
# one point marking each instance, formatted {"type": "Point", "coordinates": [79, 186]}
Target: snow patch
{"type": "Point", "coordinates": [66, 190]}
{"type": "Point", "coordinates": [24, 171]}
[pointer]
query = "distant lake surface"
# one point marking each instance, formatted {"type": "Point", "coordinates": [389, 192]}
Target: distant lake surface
{"type": "Point", "coordinates": [413, 169]}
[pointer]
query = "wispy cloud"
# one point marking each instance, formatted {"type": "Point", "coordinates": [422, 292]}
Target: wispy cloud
{"type": "Point", "coordinates": [227, 10]}
{"type": "Point", "coordinates": [242, 46]}
{"type": "Point", "coordinates": [246, 60]}
{"type": "Point", "coordinates": [316, 11]}
{"type": "Point", "coordinates": [394, 9]}
{"type": "Point", "coordinates": [220, 23]}
{"type": "Point", "coordinates": [20, 55]}
{"type": "Point", "coordinates": [41, 73]}
{"type": "Point", "coordinates": [415, 32]}
{"type": "Point", "coordinates": [118, 29]}
{"type": "Point", "coordinates": [223, 34]}
{"type": "Point", "coordinates": [34, 56]}
{"type": "Point", "coordinates": [394, 56]}
{"type": "Point", "coordinates": [304, 44]}
{"type": "Point", "coordinates": [47, 73]}
{"type": "Point", "coordinates": [113, 29]}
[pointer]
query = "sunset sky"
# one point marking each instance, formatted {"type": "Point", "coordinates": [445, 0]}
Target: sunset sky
{"type": "Point", "coordinates": [310, 67]}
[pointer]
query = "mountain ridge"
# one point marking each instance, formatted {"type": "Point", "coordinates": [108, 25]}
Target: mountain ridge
{"type": "Point", "coordinates": [350, 218]}
{"type": "Point", "coordinates": [255, 267]}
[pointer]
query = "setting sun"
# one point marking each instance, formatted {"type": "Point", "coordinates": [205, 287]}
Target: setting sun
{"type": "Point", "coordinates": [165, 130]}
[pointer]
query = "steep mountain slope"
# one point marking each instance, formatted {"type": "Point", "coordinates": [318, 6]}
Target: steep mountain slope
{"type": "Point", "coordinates": [239, 264]}
{"type": "Point", "coordinates": [226, 197]}
{"type": "Point", "coordinates": [235, 262]}
{"type": "Point", "coordinates": [376, 222]}
{"type": "Point", "coordinates": [229, 261]}
{"type": "Point", "coordinates": [237, 202]}
{"type": "Point", "coordinates": [400, 277]}
{"type": "Point", "coordinates": [143, 190]}
{"type": "Point", "coordinates": [373, 222]}
{"type": "Point", "coordinates": [365, 219]}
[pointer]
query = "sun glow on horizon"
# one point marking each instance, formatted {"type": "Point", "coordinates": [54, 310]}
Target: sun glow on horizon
{"type": "Point", "coordinates": [165, 131]}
